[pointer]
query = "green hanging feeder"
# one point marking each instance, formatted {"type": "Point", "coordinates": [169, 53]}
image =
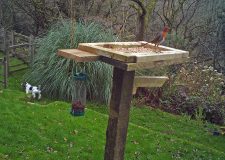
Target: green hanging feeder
{"type": "Point", "coordinates": [79, 95]}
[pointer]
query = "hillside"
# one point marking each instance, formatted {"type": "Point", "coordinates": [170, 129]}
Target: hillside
{"type": "Point", "coordinates": [47, 131]}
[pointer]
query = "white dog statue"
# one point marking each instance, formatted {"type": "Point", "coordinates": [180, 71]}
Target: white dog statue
{"type": "Point", "coordinates": [34, 90]}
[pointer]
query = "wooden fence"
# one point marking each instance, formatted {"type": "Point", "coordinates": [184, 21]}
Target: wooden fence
{"type": "Point", "coordinates": [17, 45]}
{"type": "Point", "coordinates": [3, 59]}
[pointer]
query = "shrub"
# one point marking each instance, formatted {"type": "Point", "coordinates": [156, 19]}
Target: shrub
{"type": "Point", "coordinates": [55, 74]}
{"type": "Point", "coordinates": [193, 89]}
{"type": "Point", "coordinates": [197, 88]}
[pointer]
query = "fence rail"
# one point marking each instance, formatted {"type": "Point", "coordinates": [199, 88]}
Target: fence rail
{"type": "Point", "coordinates": [19, 45]}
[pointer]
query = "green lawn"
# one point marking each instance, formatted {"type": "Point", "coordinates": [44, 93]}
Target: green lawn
{"type": "Point", "coordinates": [46, 130]}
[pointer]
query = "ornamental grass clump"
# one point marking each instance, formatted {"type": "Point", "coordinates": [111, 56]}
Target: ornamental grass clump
{"type": "Point", "coordinates": [55, 74]}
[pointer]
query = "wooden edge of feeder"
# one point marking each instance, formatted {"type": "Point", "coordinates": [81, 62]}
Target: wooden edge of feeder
{"type": "Point", "coordinates": [107, 52]}
{"type": "Point", "coordinates": [154, 64]}
{"type": "Point", "coordinates": [167, 55]}
{"type": "Point", "coordinates": [78, 55]}
{"type": "Point", "coordinates": [161, 47]}
{"type": "Point", "coordinates": [115, 44]}
{"type": "Point", "coordinates": [106, 49]}
{"type": "Point", "coordinates": [148, 81]}
{"type": "Point", "coordinates": [141, 65]}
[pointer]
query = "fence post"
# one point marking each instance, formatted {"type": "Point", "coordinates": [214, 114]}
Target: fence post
{"type": "Point", "coordinates": [31, 49]}
{"type": "Point", "coordinates": [13, 42]}
{"type": "Point", "coordinates": [6, 64]}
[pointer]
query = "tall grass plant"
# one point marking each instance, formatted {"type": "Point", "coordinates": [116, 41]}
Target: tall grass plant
{"type": "Point", "coordinates": [55, 74]}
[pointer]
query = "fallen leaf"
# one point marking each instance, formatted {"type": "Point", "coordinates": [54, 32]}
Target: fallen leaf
{"type": "Point", "coordinates": [71, 144]}
{"type": "Point", "coordinates": [134, 142]}
{"type": "Point", "coordinates": [30, 103]}
{"type": "Point", "coordinates": [75, 132]}
{"type": "Point", "coordinates": [49, 149]}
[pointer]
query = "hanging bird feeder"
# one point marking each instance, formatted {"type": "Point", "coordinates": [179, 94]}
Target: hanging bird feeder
{"type": "Point", "coordinates": [79, 95]}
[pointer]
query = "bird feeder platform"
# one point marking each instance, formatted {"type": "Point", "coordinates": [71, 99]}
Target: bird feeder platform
{"type": "Point", "coordinates": [126, 57]}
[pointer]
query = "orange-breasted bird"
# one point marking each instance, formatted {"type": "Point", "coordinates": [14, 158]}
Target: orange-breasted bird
{"type": "Point", "coordinates": [160, 37]}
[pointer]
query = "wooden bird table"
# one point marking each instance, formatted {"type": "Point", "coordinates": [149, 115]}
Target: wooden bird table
{"type": "Point", "coordinates": [126, 57]}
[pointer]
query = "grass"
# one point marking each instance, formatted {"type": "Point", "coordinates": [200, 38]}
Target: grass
{"type": "Point", "coordinates": [46, 130]}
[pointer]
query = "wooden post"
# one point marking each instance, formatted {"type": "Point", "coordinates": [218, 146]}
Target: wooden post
{"type": "Point", "coordinates": [31, 50]}
{"type": "Point", "coordinates": [13, 43]}
{"type": "Point", "coordinates": [5, 59]}
{"type": "Point", "coordinates": [6, 72]}
{"type": "Point", "coordinates": [119, 114]}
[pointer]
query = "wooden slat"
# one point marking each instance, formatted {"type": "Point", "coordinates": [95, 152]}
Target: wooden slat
{"type": "Point", "coordinates": [118, 44]}
{"type": "Point", "coordinates": [107, 52]}
{"type": "Point", "coordinates": [21, 56]}
{"type": "Point", "coordinates": [78, 55]}
{"type": "Point", "coordinates": [16, 70]}
{"type": "Point", "coordinates": [161, 47]}
{"type": "Point", "coordinates": [127, 45]}
{"type": "Point", "coordinates": [21, 35]}
{"type": "Point", "coordinates": [165, 55]}
{"type": "Point", "coordinates": [142, 65]}
{"type": "Point", "coordinates": [148, 65]}
{"type": "Point", "coordinates": [114, 63]}
{"type": "Point", "coordinates": [148, 81]}
{"type": "Point", "coordinates": [17, 65]}
{"type": "Point", "coordinates": [19, 45]}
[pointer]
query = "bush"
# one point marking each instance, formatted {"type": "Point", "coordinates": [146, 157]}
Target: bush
{"type": "Point", "coordinates": [55, 74]}
{"type": "Point", "coordinates": [194, 89]}
{"type": "Point", "coordinates": [197, 88]}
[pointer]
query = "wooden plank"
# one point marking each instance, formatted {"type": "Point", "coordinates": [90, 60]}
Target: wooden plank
{"type": "Point", "coordinates": [13, 42]}
{"type": "Point", "coordinates": [23, 57]}
{"type": "Point", "coordinates": [19, 45]}
{"type": "Point", "coordinates": [6, 60]}
{"type": "Point", "coordinates": [114, 63]}
{"type": "Point", "coordinates": [118, 44]}
{"type": "Point", "coordinates": [148, 82]}
{"type": "Point", "coordinates": [21, 35]}
{"type": "Point", "coordinates": [6, 70]}
{"type": "Point", "coordinates": [165, 55]}
{"type": "Point", "coordinates": [126, 45]}
{"type": "Point", "coordinates": [106, 49]}
{"type": "Point", "coordinates": [154, 64]}
{"type": "Point", "coordinates": [32, 51]}
{"type": "Point", "coordinates": [17, 65]}
{"type": "Point", "coordinates": [141, 65]}
{"type": "Point", "coordinates": [119, 114]}
{"type": "Point", "coordinates": [78, 55]}
{"type": "Point", "coordinates": [16, 70]}
{"type": "Point", "coordinates": [107, 52]}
